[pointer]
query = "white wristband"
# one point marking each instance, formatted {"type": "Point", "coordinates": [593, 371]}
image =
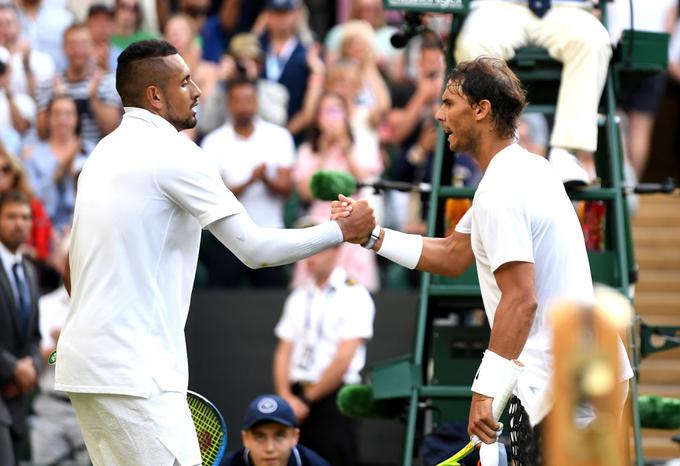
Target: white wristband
{"type": "Point", "coordinates": [402, 248]}
{"type": "Point", "coordinates": [492, 373]}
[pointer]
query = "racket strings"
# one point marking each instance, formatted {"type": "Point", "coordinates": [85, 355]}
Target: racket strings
{"type": "Point", "coordinates": [209, 430]}
{"type": "Point", "coordinates": [524, 440]}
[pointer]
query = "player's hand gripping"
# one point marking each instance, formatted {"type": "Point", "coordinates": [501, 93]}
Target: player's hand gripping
{"type": "Point", "coordinates": [342, 207]}
{"type": "Point", "coordinates": [357, 227]}
{"type": "Point", "coordinates": [481, 422]}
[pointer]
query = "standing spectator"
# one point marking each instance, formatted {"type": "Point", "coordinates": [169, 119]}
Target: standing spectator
{"type": "Point", "coordinates": [571, 34]}
{"type": "Point", "coordinates": [255, 159]}
{"type": "Point", "coordinates": [245, 58]}
{"type": "Point", "coordinates": [332, 147]}
{"type": "Point", "coordinates": [322, 346]}
{"type": "Point", "coordinates": [51, 163]}
{"type": "Point", "coordinates": [285, 55]}
{"type": "Point", "coordinates": [29, 66]}
{"type": "Point", "coordinates": [44, 24]}
{"type": "Point", "coordinates": [270, 437]}
{"type": "Point", "coordinates": [92, 88]}
{"type": "Point", "coordinates": [55, 436]}
{"type": "Point", "coordinates": [13, 177]}
{"type": "Point", "coordinates": [127, 24]}
{"type": "Point", "coordinates": [19, 333]}
{"type": "Point", "coordinates": [100, 23]}
{"type": "Point", "coordinates": [17, 109]}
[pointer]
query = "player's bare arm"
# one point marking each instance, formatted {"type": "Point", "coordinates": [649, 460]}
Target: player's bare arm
{"type": "Point", "coordinates": [449, 256]}
{"type": "Point", "coordinates": [512, 323]}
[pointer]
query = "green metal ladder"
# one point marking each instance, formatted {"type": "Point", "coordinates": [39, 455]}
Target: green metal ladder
{"type": "Point", "coordinates": [412, 378]}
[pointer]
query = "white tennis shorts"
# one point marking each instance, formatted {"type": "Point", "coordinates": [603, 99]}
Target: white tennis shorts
{"type": "Point", "coordinates": [122, 430]}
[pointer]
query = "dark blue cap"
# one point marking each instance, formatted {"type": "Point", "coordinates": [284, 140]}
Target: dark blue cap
{"type": "Point", "coordinates": [282, 4]}
{"type": "Point", "coordinates": [269, 408]}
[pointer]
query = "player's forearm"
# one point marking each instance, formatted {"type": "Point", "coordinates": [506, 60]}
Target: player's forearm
{"type": "Point", "coordinates": [512, 323]}
{"type": "Point", "coordinates": [449, 256]}
{"type": "Point", "coordinates": [259, 247]}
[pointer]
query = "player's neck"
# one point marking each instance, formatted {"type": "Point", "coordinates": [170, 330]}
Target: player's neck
{"type": "Point", "coordinates": [488, 148]}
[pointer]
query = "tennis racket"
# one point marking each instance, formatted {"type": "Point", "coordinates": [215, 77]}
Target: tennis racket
{"type": "Point", "coordinates": [497, 407]}
{"type": "Point", "coordinates": [211, 429]}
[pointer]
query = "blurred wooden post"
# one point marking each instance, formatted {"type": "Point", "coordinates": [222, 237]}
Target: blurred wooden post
{"type": "Point", "coordinates": [586, 370]}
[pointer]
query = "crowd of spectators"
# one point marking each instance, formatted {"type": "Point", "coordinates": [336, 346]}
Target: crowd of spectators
{"type": "Point", "coordinates": [288, 88]}
{"type": "Point", "coordinates": [323, 73]}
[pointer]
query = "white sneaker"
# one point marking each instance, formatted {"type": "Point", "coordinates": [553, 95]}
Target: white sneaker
{"type": "Point", "coordinates": [568, 167]}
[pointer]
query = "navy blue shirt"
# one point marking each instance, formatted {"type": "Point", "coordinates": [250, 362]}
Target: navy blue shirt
{"type": "Point", "coordinates": [300, 456]}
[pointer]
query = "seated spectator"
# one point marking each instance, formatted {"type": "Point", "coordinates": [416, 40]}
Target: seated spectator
{"type": "Point", "coordinates": [43, 23]}
{"type": "Point", "coordinates": [100, 23]}
{"type": "Point", "coordinates": [571, 34]}
{"type": "Point", "coordinates": [270, 437]}
{"type": "Point", "coordinates": [127, 24]}
{"type": "Point", "coordinates": [93, 89]}
{"type": "Point", "coordinates": [331, 146]}
{"type": "Point", "coordinates": [51, 163]}
{"type": "Point", "coordinates": [255, 159]}
{"type": "Point", "coordinates": [17, 109]}
{"type": "Point", "coordinates": [13, 177]}
{"type": "Point", "coordinates": [372, 12]}
{"type": "Point", "coordinates": [245, 58]}
{"type": "Point", "coordinates": [29, 66]}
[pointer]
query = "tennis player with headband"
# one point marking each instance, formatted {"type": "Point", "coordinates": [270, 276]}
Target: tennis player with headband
{"type": "Point", "coordinates": [144, 195]}
{"type": "Point", "coordinates": [525, 237]}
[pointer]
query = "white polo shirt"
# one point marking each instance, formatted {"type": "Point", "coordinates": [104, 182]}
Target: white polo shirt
{"type": "Point", "coordinates": [521, 212]}
{"type": "Point", "coordinates": [237, 157]}
{"type": "Point", "coordinates": [144, 194]}
{"type": "Point", "coordinates": [316, 319]}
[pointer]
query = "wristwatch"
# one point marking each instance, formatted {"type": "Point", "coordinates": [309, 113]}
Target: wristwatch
{"type": "Point", "coordinates": [375, 234]}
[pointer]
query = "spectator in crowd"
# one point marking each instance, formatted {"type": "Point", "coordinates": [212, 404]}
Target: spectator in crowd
{"type": "Point", "coordinates": [255, 159]}
{"type": "Point", "coordinates": [246, 58]}
{"type": "Point", "coordinates": [322, 345]}
{"type": "Point", "coordinates": [80, 9]}
{"type": "Point", "coordinates": [17, 110]}
{"type": "Point", "coordinates": [270, 437]}
{"type": "Point", "coordinates": [19, 333]}
{"type": "Point", "coordinates": [55, 436]}
{"type": "Point", "coordinates": [533, 133]}
{"type": "Point", "coordinates": [571, 34]}
{"type": "Point", "coordinates": [640, 101]}
{"type": "Point", "coordinates": [14, 177]}
{"type": "Point", "coordinates": [43, 24]}
{"type": "Point", "coordinates": [51, 163]}
{"type": "Point", "coordinates": [29, 66]}
{"type": "Point", "coordinates": [331, 146]}
{"type": "Point", "coordinates": [370, 11]}
{"type": "Point", "coordinates": [100, 21]}
{"type": "Point", "coordinates": [92, 88]}
{"type": "Point", "coordinates": [285, 55]}
{"type": "Point", "coordinates": [127, 24]}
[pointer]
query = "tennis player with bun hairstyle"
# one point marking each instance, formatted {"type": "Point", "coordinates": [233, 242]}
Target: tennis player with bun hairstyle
{"type": "Point", "coordinates": [526, 239]}
{"type": "Point", "coordinates": [144, 195]}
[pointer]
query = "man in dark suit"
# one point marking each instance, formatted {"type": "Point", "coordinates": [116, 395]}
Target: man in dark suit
{"type": "Point", "coordinates": [19, 333]}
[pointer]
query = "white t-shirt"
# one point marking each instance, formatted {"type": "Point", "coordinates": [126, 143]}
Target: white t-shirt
{"type": "Point", "coordinates": [144, 194]}
{"type": "Point", "coordinates": [237, 157]}
{"type": "Point", "coordinates": [315, 320]}
{"type": "Point", "coordinates": [522, 213]}
{"type": "Point", "coordinates": [23, 102]}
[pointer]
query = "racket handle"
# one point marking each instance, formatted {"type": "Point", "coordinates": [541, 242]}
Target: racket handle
{"type": "Point", "coordinates": [504, 394]}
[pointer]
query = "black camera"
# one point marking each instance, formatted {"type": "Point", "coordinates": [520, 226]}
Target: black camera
{"type": "Point", "coordinates": [3, 67]}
